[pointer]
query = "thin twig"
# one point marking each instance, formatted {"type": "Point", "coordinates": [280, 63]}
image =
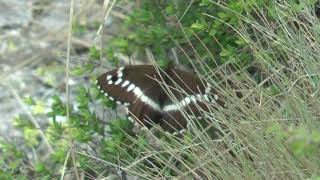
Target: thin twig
{"type": "Point", "coordinates": [68, 57]}
{"type": "Point", "coordinates": [67, 81]}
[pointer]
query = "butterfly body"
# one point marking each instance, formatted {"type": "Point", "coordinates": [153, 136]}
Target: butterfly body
{"type": "Point", "coordinates": [157, 97]}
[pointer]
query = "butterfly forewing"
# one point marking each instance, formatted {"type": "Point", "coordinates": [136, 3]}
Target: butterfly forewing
{"type": "Point", "coordinates": [127, 84]}
{"type": "Point", "coordinates": [138, 87]}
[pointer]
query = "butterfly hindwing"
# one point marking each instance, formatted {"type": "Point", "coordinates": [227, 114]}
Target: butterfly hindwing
{"type": "Point", "coordinates": [187, 96]}
{"type": "Point", "coordinates": [144, 115]}
{"type": "Point", "coordinates": [173, 121]}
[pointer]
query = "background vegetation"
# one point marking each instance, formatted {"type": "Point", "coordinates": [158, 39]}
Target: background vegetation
{"type": "Point", "coordinates": [266, 51]}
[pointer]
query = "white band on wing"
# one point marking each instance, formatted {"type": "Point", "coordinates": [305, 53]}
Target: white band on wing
{"type": "Point", "coordinates": [139, 94]}
{"type": "Point", "coordinates": [186, 101]}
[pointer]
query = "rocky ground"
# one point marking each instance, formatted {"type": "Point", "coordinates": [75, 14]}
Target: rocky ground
{"type": "Point", "coordinates": [33, 52]}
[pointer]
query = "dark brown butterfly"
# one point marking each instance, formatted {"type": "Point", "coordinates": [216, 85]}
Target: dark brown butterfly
{"type": "Point", "coordinates": [154, 97]}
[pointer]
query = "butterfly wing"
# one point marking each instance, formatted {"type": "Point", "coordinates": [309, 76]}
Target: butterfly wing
{"type": "Point", "coordinates": [144, 114]}
{"type": "Point", "coordinates": [136, 87]}
{"type": "Point", "coordinates": [187, 94]}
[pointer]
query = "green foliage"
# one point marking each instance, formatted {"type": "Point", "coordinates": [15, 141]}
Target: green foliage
{"type": "Point", "coordinates": [29, 101]}
{"type": "Point", "coordinates": [300, 141]}
{"type": "Point", "coordinates": [11, 160]}
{"type": "Point", "coordinates": [94, 53]}
{"type": "Point", "coordinates": [108, 52]}
{"type": "Point", "coordinates": [84, 69]}
{"type": "Point", "coordinates": [121, 44]}
{"type": "Point", "coordinates": [22, 121]}
{"type": "Point", "coordinates": [41, 169]}
{"type": "Point", "coordinates": [111, 57]}
{"type": "Point", "coordinates": [119, 143]}
{"type": "Point", "coordinates": [58, 108]}
{"type": "Point", "coordinates": [155, 24]}
{"type": "Point", "coordinates": [30, 133]}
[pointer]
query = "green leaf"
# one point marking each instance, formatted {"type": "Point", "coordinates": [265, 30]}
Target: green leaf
{"type": "Point", "coordinates": [39, 108]}
{"type": "Point", "coordinates": [198, 26]}
{"type": "Point", "coordinates": [22, 121]}
{"type": "Point", "coordinates": [59, 154]}
{"type": "Point", "coordinates": [170, 9]}
{"type": "Point", "coordinates": [57, 107]}
{"type": "Point", "coordinates": [222, 15]}
{"type": "Point", "coordinates": [31, 137]}
{"type": "Point", "coordinates": [240, 41]}
{"type": "Point", "coordinates": [143, 16]}
{"type": "Point", "coordinates": [77, 71]}
{"type": "Point", "coordinates": [81, 70]}
{"type": "Point", "coordinates": [204, 3]}
{"type": "Point", "coordinates": [225, 53]}
{"type": "Point", "coordinates": [94, 53]}
{"type": "Point", "coordinates": [29, 100]}
{"type": "Point", "coordinates": [40, 168]}
{"type": "Point", "coordinates": [121, 43]}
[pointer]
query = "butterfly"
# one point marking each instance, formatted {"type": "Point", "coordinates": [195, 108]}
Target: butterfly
{"type": "Point", "coordinates": [155, 96]}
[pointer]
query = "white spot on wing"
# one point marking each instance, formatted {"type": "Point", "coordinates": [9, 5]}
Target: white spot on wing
{"type": "Point", "coordinates": [111, 98]}
{"type": "Point", "coordinates": [181, 104]}
{"type": "Point", "coordinates": [110, 82]}
{"type": "Point", "coordinates": [125, 83]}
{"type": "Point", "coordinates": [118, 81]}
{"type": "Point", "coordinates": [185, 102]}
{"type": "Point", "coordinates": [120, 74]}
{"type": "Point", "coordinates": [131, 87]}
{"type": "Point", "coordinates": [109, 77]}
{"type": "Point", "coordinates": [150, 102]}
{"type": "Point", "coordinates": [137, 91]}
{"type": "Point", "coordinates": [171, 107]}
{"type": "Point", "coordinates": [121, 68]}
